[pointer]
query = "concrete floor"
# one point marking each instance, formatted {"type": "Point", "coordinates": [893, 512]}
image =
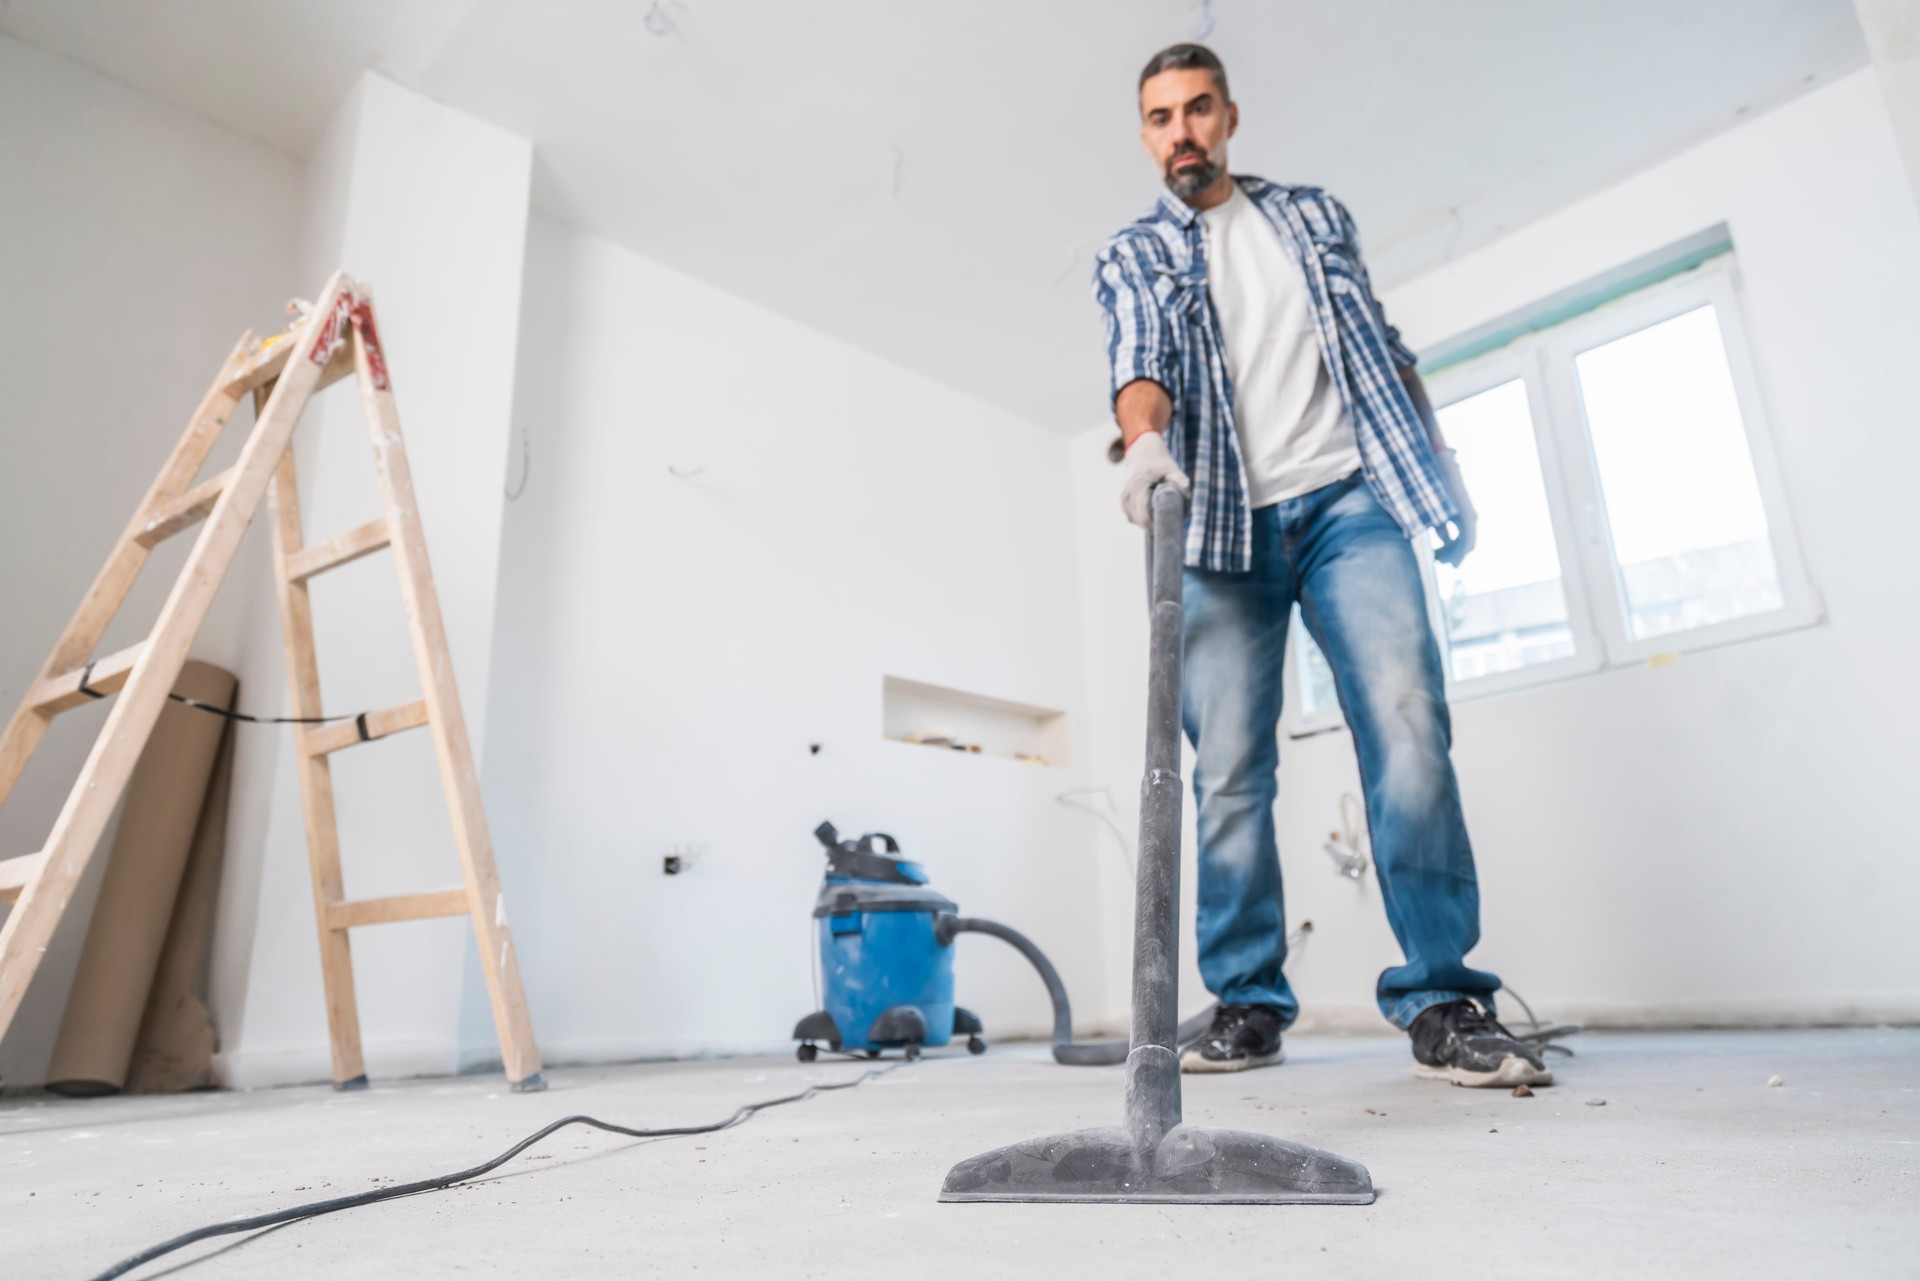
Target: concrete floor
{"type": "Point", "coordinates": [1694, 1167]}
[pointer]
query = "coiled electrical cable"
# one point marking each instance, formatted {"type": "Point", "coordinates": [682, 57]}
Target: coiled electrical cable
{"type": "Point", "coordinates": [313, 1208]}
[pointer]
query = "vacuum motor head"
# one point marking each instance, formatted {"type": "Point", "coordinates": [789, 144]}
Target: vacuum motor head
{"type": "Point", "coordinates": [871, 858]}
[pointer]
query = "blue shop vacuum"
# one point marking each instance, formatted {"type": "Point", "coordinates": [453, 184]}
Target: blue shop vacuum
{"type": "Point", "coordinates": [886, 963]}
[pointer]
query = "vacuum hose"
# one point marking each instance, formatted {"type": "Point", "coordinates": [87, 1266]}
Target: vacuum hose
{"type": "Point", "coordinates": [1089, 1054]}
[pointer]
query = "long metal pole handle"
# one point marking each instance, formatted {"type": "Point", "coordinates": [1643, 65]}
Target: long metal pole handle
{"type": "Point", "coordinates": [1153, 1064]}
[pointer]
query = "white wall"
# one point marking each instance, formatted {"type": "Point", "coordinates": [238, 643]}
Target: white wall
{"type": "Point", "coordinates": [429, 206]}
{"type": "Point", "coordinates": [647, 658]}
{"type": "Point", "coordinates": [1723, 839]}
{"type": "Point", "coordinates": [668, 648]}
{"type": "Point", "coordinates": [1892, 28]}
{"type": "Point", "coordinates": [136, 242]}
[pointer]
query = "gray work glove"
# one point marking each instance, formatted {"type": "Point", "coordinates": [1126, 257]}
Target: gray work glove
{"type": "Point", "coordinates": [1148, 463]}
{"type": "Point", "coordinates": [1454, 546]}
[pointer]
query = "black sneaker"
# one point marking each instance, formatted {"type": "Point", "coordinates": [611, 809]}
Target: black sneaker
{"type": "Point", "coordinates": [1460, 1042]}
{"type": "Point", "coordinates": [1241, 1037]}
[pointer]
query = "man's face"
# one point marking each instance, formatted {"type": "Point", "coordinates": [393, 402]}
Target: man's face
{"type": "Point", "coordinates": [1185, 125]}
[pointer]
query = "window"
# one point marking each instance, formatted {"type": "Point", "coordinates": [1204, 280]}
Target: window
{"type": "Point", "coordinates": [1689, 529]}
{"type": "Point", "coordinates": [1314, 701]}
{"type": "Point", "coordinates": [1505, 608]}
{"type": "Point", "coordinates": [1629, 503]}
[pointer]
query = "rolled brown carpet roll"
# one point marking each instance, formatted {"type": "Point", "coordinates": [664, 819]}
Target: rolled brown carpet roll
{"type": "Point", "coordinates": [128, 932]}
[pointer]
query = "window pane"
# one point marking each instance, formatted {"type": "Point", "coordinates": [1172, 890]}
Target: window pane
{"type": "Point", "coordinates": [1505, 608]}
{"type": "Point", "coordinates": [1316, 676]}
{"type": "Point", "coordinates": [1689, 529]}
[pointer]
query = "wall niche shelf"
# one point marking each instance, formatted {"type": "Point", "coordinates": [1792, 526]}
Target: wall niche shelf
{"type": "Point", "coordinates": [960, 723]}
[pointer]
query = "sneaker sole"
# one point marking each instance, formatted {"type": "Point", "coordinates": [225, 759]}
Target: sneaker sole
{"type": "Point", "coordinates": [1193, 1061]}
{"type": "Point", "coordinates": [1513, 1070]}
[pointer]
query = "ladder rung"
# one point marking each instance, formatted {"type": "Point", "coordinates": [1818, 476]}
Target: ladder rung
{"type": "Point", "coordinates": [16, 874]}
{"type": "Point", "coordinates": [339, 550]}
{"type": "Point", "coordinates": [62, 692]}
{"type": "Point", "coordinates": [331, 738]}
{"type": "Point", "coordinates": [190, 508]}
{"type": "Point", "coordinates": [262, 367]}
{"type": "Point", "coordinates": [400, 907]}
{"type": "Point", "coordinates": [265, 364]}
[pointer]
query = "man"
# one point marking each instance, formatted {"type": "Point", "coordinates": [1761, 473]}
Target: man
{"type": "Point", "coordinates": [1253, 368]}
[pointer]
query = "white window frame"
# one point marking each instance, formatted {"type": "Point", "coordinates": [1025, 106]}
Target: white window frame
{"type": "Point", "coordinates": [1715, 283]}
{"type": "Point", "coordinates": [1504, 366]}
{"type": "Point", "coordinates": [1296, 723]}
{"type": "Point", "coordinates": [1597, 612]}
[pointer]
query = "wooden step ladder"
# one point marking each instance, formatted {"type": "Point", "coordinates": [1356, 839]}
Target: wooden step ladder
{"type": "Point", "coordinates": [336, 337]}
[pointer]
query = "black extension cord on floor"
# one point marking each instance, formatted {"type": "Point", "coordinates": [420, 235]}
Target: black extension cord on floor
{"type": "Point", "coordinates": [313, 1208]}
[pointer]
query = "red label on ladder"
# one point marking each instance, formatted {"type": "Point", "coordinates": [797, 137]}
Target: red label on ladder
{"type": "Point", "coordinates": [333, 330]}
{"type": "Point", "coordinates": [376, 359]}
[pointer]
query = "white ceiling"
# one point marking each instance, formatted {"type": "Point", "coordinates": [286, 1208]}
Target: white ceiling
{"type": "Point", "coordinates": [926, 179]}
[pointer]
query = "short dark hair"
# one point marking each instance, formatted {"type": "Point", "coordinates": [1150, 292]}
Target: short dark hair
{"type": "Point", "coordinates": [1181, 57]}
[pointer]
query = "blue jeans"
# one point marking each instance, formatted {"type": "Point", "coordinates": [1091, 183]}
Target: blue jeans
{"type": "Point", "coordinates": [1344, 559]}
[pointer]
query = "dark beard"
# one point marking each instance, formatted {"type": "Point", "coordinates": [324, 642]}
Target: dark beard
{"type": "Point", "coordinates": [1190, 182]}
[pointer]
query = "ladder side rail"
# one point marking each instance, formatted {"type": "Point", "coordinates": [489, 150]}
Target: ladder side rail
{"type": "Point", "coordinates": [499, 961]}
{"type": "Point", "coordinates": [30, 926]}
{"type": "Point", "coordinates": [316, 782]}
{"type": "Point", "coordinates": [110, 586]}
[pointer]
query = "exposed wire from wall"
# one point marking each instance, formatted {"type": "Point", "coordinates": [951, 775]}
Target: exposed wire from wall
{"type": "Point", "coordinates": [1532, 1018]}
{"type": "Point", "coordinates": [1106, 816]}
{"type": "Point", "coordinates": [1542, 1035]}
{"type": "Point", "coordinates": [659, 19]}
{"type": "Point", "coordinates": [1347, 847]}
{"type": "Point", "coordinates": [1455, 229]}
{"type": "Point", "coordinates": [1070, 260]}
{"type": "Point", "coordinates": [514, 491]}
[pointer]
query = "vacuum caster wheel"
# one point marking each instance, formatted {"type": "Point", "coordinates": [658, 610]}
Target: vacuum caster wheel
{"type": "Point", "coordinates": [976, 1046]}
{"type": "Point", "coordinates": [807, 1053]}
{"type": "Point", "coordinates": [912, 1052]}
{"type": "Point", "coordinates": [873, 1054]}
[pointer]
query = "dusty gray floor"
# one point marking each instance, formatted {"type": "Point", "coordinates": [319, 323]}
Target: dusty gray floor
{"type": "Point", "coordinates": [1693, 1168]}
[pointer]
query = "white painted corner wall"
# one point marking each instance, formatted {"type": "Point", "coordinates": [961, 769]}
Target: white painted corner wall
{"type": "Point", "coordinates": [429, 206]}
{"type": "Point", "coordinates": [731, 528]}
{"type": "Point", "coordinates": [1892, 28]}
{"type": "Point", "coordinates": [1724, 839]}
{"type": "Point", "coordinates": [136, 242]}
{"type": "Point", "coordinates": [668, 649]}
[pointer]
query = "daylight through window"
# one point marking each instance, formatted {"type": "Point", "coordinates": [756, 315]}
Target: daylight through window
{"type": "Point", "coordinates": [1628, 501]}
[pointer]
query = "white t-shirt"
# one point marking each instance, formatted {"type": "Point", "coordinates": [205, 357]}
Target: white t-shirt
{"type": "Point", "coordinates": [1294, 434]}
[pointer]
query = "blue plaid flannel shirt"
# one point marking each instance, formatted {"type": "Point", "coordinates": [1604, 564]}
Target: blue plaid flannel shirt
{"type": "Point", "coordinates": [1151, 282]}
